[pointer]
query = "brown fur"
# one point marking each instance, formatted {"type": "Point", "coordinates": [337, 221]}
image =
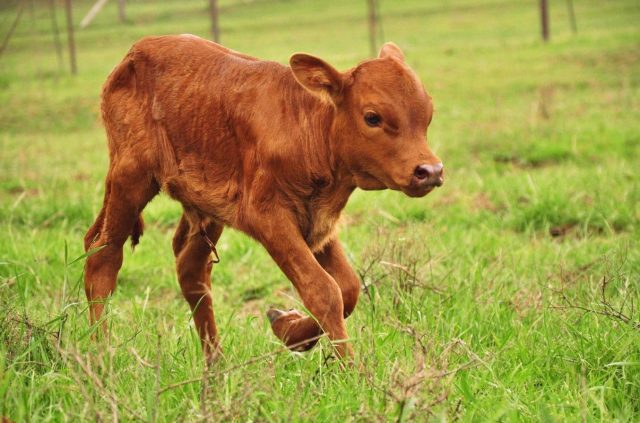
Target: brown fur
{"type": "Point", "coordinates": [271, 150]}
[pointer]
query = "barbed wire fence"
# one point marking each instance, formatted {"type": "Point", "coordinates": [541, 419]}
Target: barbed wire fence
{"type": "Point", "coordinates": [373, 17]}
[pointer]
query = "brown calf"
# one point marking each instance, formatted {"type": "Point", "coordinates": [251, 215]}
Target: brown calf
{"type": "Point", "coordinates": [271, 150]}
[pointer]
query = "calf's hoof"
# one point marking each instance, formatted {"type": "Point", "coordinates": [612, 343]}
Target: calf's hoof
{"type": "Point", "coordinates": [212, 354]}
{"type": "Point", "coordinates": [276, 314]}
{"type": "Point", "coordinates": [292, 328]}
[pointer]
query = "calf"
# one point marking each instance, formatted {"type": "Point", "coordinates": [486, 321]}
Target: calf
{"type": "Point", "coordinates": [274, 151]}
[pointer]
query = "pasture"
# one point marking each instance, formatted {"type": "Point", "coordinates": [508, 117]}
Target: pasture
{"type": "Point", "coordinates": [509, 294]}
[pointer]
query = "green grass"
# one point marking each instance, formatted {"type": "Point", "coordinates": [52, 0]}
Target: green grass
{"type": "Point", "coordinates": [470, 309]}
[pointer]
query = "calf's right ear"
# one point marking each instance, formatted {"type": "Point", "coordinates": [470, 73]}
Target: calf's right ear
{"type": "Point", "coordinates": [317, 76]}
{"type": "Point", "coordinates": [391, 50]}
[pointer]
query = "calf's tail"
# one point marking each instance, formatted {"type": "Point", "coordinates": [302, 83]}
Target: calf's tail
{"type": "Point", "coordinates": [137, 230]}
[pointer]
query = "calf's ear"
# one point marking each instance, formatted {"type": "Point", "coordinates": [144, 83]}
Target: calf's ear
{"type": "Point", "coordinates": [317, 76]}
{"type": "Point", "coordinates": [391, 50]}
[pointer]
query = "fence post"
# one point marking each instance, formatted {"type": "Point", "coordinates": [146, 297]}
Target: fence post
{"type": "Point", "coordinates": [14, 24]}
{"type": "Point", "coordinates": [56, 32]}
{"type": "Point", "coordinates": [215, 30]}
{"type": "Point", "coordinates": [544, 19]}
{"type": "Point", "coordinates": [72, 42]}
{"type": "Point", "coordinates": [122, 16]}
{"type": "Point", "coordinates": [572, 16]}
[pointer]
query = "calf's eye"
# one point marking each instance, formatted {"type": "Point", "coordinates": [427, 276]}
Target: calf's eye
{"type": "Point", "coordinates": [372, 119]}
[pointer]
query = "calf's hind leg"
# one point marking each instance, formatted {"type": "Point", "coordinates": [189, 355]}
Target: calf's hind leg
{"type": "Point", "coordinates": [128, 190]}
{"type": "Point", "coordinates": [194, 265]}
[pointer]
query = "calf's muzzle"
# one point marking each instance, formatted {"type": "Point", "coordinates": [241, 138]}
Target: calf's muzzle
{"type": "Point", "coordinates": [429, 175]}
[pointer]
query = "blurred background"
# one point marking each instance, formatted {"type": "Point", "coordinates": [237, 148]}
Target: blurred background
{"type": "Point", "coordinates": [524, 264]}
{"type": "Point", "coordinates": [464, 50]}
{"type": "Point", "coordinates": [517, 85]}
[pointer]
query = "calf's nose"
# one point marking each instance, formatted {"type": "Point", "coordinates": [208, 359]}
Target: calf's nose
{"type": "Point", "coordinates": [429, 174]}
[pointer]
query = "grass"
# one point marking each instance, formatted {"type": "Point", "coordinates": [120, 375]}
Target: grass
{"type": "Point", "coordinates": [510, 294]}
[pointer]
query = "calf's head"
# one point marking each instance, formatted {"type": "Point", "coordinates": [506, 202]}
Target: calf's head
{"type": "Point", "coordinates": [382, 113]}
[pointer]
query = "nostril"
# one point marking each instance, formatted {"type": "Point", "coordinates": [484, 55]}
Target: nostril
{"type": "Point", "coordinates": [422, 171]}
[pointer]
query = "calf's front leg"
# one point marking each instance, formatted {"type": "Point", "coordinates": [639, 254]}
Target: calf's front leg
{"type": "Point", "coordinates": [294, 327]}
{"type": "Point", "coordinates": [320, 293]}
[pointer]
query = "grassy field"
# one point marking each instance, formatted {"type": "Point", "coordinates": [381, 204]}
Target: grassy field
{"type": "Point", "coordinates": [509, 294]}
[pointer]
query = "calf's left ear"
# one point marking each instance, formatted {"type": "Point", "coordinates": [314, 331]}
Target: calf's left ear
{"type": "Point", "coordinates": [317, 76]}
{"type": "Point", "coordinates": [391, 50]}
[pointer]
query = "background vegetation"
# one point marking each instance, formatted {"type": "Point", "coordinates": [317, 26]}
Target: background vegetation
{"type": "Point", "coordinates": [511, 293]}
